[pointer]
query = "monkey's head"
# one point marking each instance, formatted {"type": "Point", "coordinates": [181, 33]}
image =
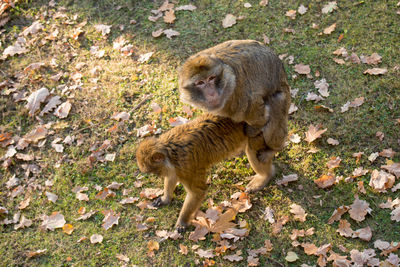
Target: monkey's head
{"type": "Point", "coordinates": [206, 82]}
{"type": "Point", "coordinates": [151, 157]}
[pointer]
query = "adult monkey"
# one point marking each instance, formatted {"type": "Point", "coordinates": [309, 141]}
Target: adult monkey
{"type": "Point", "coordinates": [245, 81]}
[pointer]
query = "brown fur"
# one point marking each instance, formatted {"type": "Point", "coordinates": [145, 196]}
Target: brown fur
{"type": "Point", "coordinates": [252, 87]}
{"type": "Point", "coordinates": [185, 153]}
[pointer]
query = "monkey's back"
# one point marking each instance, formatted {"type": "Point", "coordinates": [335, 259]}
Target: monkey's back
{"type": "Point", "coordinates": [202, 142]}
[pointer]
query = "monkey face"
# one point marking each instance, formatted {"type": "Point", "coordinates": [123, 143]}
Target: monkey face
{"type": "Point", "coordinates": [206, 82]}
{"type": "Point", "coordinates": [149, 158]}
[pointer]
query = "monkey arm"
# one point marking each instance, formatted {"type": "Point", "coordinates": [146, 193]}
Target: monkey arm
{"type": "Point", "coordinates": [170, 183]}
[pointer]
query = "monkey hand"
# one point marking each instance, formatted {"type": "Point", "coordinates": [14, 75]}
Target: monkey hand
{"type": "Point", "coordinates": [181, 229]}
{"type": "Point", "coordinates": [158, 202]}
{"type": "Point", "coordinates": [251, 131]}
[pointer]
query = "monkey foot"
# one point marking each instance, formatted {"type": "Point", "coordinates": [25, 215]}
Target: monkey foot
{"type": "Point", "coordinates": [158, 202]}
{"type": "Point", "coordinates": [180, 229]}
{"type": "Point", "coordinates": [258, 182]}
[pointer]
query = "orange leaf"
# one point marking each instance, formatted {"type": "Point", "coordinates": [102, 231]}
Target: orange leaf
{"type": "Point", "coordinates": [68, 229]}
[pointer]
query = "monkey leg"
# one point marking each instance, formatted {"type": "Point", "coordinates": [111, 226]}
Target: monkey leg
{"type": "Point", "coordinates": [193, 200]}
{"type": "Point", "coordinates": [264, 169]}
{"type": "Point", "coordinates": [169, 187]}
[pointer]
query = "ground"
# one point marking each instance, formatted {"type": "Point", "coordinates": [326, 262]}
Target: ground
{"type": "Point", "coordinates": [99, 86]}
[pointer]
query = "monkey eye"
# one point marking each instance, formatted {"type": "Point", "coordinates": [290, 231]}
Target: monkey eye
{"type": "Point", "coordinates": [211, 78]}
{"type": "Point", "coordinates": [200, 83]}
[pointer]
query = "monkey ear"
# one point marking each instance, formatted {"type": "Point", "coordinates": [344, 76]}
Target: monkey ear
{"type": "Point", "coordinates": [158, 157]}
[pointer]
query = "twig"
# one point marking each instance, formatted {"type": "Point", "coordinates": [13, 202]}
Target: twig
{"type": "Point", "coordinates": [141, 103]}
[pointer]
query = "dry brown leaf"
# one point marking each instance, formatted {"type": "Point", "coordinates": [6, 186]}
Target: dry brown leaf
{"type": "Point", "coordinates": [105, 194]}
{"type": "Point", "coordinates": [23, 222]}
{"type": "Point", "coordinates": [171, 33]}
{"type": "Point", "coordinates": [68, 229]}
{"type": "Point", "coordinates": [169, 16]}
{"type": "Point", "coordinates": [177, 121]}
{"type": "Point", "coordinates": [35, 99]}
{"type": "Point", "coordinates": [293, 108]}
{"type": "Point", "coordinates": [345, 229]}
{"type": "Point", "coordinates": [363, 233]}
{"type": "Point", "coordinates": [302, 69]}
{"type": "Point", "coordinates": [330, 7]}
{"type": "Point", "coordinates": [86, 216]}
{"type": "Point", "coordinates": [51, 197]}
{"type": "Point", "coordinates": [376, 71]}
{"type": "Point", "coordinates": [186, 7]}
{"type": "Point", "coordinates": [359, 209]}
{"type": "Point", "coordinates": [339, 61]}
{"type": "Point", "coordinates": [322, 87]}
{"type": "Point", "coordinates": [291, 14]}
{"type": "Point", "coordinates": [234, 257]}
{"type": "Point", "coordinates": [104, 29]}
{"type": "Point", "coordinates": [263, 2]}
{"type": "Point", "coordinates": [373, 59]}
{"type": "Point", "coordinates": [291, 257]}
{"type": "Point", "coordinates": [229, 21]}
{"type": "Point", "coordinates": [359, 172]}
{"type": "Point", "coordinates": [395, 214]}
{"type": "Point", "coordinates": [122, 257]}
{"type": "Point", "coordinates": [337, 214]}
{"type": "Point", "coordinates": [314, 133]}
{"type": "Point", "coordinates": [110, 219]}
{"type": "Point", "coordinates": [55, 220]}
{"type": "Point", "coordinates": [393, 168]}
{"type": "Point", "coordinates": [96, 238]}
{"type": "Point", "coordinates": [151, 193]}
{"type": "Point", "coordinates": [157, 33]}
{"type": "Point", "coordinates": [341, 52]}
{"type": "Point", "coordinates": [333, 163]}
{"type": "Point", "coordinates": [309, 249]}
{"type": "Point", "coordinates": [63, 110]}
{"type": "Point", "coordinates": [381, 180]}
{"type": "Point", "coordinates": [298, 212]}
{"type": "Point", "coordinates": [302, 10]}
{"type": "Point", "coordinates": [330, 29]}
{"type": "Point", "coordinates": [32, 254]}
{"type": "Point", "coordinates": [153, 245]}
{"type": "Point", "coordinates": [82, 197]}
{"type": "Point", "coordinates": [360, 187]}
{"type": "Point", "coordinates": [33, 29]}
{"type": "Point", "coordinates": [205, 253]}
{"type": "Point", "coordinates": [387, 153]}
{"type": "Point", "coordinates": [287, 179]}
{"type": "Point", "coordinates": [325, 181]}
{"type": "Point", "coordinates": [36, 134]}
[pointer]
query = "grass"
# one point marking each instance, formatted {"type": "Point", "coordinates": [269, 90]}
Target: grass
{"type": "Point", "coordinates": [122, 83]}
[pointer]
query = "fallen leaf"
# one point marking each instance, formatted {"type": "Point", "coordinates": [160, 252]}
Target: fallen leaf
{"type": "Point", "coordinates": [345, 229]}
{"type": "Point", "coordinates": [186, 7]}
{"type": "Point", "coordinates": [268, 215]}
{"type": "Point", "coordinates": [51, 197]}
{"type": "Point", "coordinates": [302, 69]}
{"type": "Point", "coordinates": [153, 245]}
{"type": "Point", "coordinates": [121, 116]}
{"type": "Point", "coordinates": [302, 10]}
{"type": "Point", "coordinates": [145, 57]}
{"type": "Point", "coordinates": [339, 61]}
{"type": "Point", "coordinates": [287, 179]}
{"type": "Point", "coordinates": [359, 172]}
{"type": "Point", "coordinates": [280, 222]}
{"type": "Point", "coordinates": [381, 245]}
{"type": "Point", "coordinates": [229, 21]}
{"type": "Point", "coordinates": [35, 99]}
{"type": "Point", "coordinates": [333, 163]}
{"type": "Point", "coordinates": [375, 71]}
{"type": "Point", "coordinates": [171, 33]}
{"type": "Point", "coordinates": [157, 33]}
{"type": "Point", "coordinates": [395, 214]}
{"type": "Point", "coordinates": [329, 29]}
{"type": "Point", "coordinates": [263, 2]}
{"type": "Point", "coordinates": [373, 59]}
{"type": "Point", "coordinates": [104, 29]}
{"type": "Point", "coordinates": [110, 219]}
{"type": "Point", "coordinates": [177, 121]}
{"type": "Point", "coordinates": [104, 194]}
{"type": "Point", "coordinates": [325, 181]}
{"type": "Point", "coordinates": [55, 220]}
{"type": "Point", "coordinates": [169, 16]}
{"type": "Point", "coordinates": [298, 212]}
{"type": "Point", "coordinates": [291, 14]}
{"type": "Point", "coordinates": [12, 50]}
{"type": "Point", "coordinates": [330, 7]}
{"type": "Point", "coordinates": [155, 107]}
{"type": "Point", "coordinates": [291, 257]}
{"type": "Point", "coordinates": [393, 168]}
{"type": "Point", "coordinates": [32, 254]}
{"type": "Point", "coordinates": [86, 216]}
{"type": "Point", "coordinates": [373, 156]}
{"type": "Point", "coordinates": [354, 58]}
{"type": "Point", "coordinates": [314, 133]}
{"type": "Point", "coordinates": [381, 180]}
{"type": "Point", "coordinates": [122, 257]}
{"type": "Point", "coordinates": [387, 153]}
{"type": "Point", "coordinates": [151, 193]}
{"type": "Point", "coordinates": [33, 29]}
{"type": "Point", "coordinates": [295, 138]}
{"type": "Point", "coordinates": [363, 233]}
{"type": "Point", "coordinates": [293, 108]}
{"type": "Point", "coordinates": [337, 214]}
{"type": "Point", "coordinates": [322, 87]}
{"type": "Point", "coordinates": [183, 249]}
{"type": "Point", "coordinates": [63, 110]}
{"type": "Point", "coordinates": [359, 209]}
{"type": "Point", "coordinates": [205, 253]}
{"type": "Point", "coordinates": [233, 257]}
{"type": "Point", "coordinates": [341, 52]}
{"type": "Point", "coordinates": [96, 238]}
{"type": "Point", "coordinates": [68, 229]}
{"type": "Point", "coordinates": [52, 104]}
{"type": "Point", "coordinates": [309, 249]}
{"type": "Point", "coordinates": [23, 222]}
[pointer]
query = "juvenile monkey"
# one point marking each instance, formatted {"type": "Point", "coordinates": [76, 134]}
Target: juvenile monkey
{"type": "Point", "coordinates": [245, 81]}
{"type": "Point", "coordinates": [185, 153]}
